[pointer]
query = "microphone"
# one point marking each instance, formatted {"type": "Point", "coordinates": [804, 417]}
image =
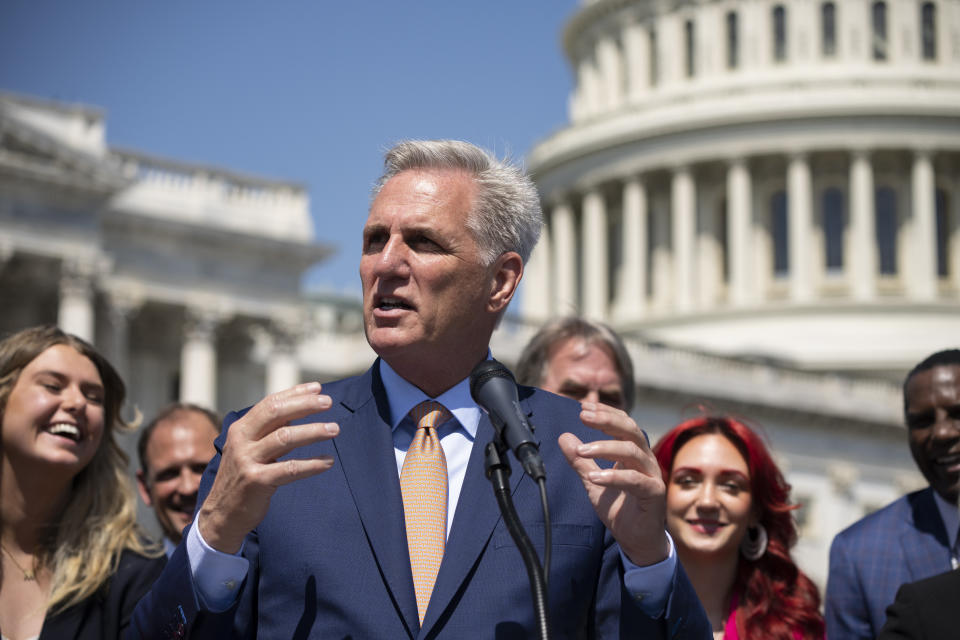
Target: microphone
{"type": "Point", "coordinates": [494, 388]}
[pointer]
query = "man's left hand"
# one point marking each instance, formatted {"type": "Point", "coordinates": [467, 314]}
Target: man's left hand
{"type": "Point", "coordinates": [630, 497]}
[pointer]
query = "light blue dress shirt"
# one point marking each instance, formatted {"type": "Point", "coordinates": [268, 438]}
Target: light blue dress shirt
{"type": "Point", "coordinates": [218, 575]}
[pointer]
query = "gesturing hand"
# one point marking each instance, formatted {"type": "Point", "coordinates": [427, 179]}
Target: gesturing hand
{"type": "Point", "coordinates": [630, 498]}
{"type": "Point", "coordinates": [249, 471]}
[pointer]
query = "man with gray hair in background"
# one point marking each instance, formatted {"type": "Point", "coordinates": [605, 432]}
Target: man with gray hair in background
{"type": "Point", "coordinates": [580, 359]}
{"type": "Point", "coordinates": [360, 509]}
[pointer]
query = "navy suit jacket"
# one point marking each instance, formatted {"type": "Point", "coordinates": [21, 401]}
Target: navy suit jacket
{"type": "Point", "coordinates": [903, 542]}
{"type": "Point", "coordinates": [330, 559]}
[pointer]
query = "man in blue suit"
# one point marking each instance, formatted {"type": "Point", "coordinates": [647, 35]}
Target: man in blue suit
{"type": "Point", "coordinates": [914, 537]}
{"type": "Point", "coordinates": [302, 530]}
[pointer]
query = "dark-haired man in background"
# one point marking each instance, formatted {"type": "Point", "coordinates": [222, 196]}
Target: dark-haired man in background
{"type": "Point", "coordinates": [914, 537]}
{"type": "Point", "coordinates": [174, 449]}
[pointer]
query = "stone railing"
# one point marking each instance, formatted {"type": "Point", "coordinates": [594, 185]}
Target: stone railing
{"type": "Point", "coordinates": [215, 197]}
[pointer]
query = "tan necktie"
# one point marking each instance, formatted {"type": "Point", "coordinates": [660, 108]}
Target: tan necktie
{"type": "Point", "coordinates": [423, 482]}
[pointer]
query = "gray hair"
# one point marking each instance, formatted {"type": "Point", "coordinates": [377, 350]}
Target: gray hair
{"type": "Point", "coordinates": [507, 215]}
{"type": "Point", "coordinates": [532, 366]}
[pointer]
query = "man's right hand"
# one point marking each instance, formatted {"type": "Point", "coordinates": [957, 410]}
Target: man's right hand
{"type": "Point", "coordinates": [250, 473]}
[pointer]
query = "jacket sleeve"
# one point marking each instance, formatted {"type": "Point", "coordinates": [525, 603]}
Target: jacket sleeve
{"type": "Point", "coordinates": [619, 614]}
{"type": "Point", "coordinates": [845, 608]}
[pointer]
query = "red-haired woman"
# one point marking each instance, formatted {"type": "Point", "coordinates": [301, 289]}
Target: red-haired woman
{"type": "Point", "coordinates": [728, 514]}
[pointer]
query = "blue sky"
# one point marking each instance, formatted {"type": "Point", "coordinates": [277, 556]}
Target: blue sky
{"type": "Point", "coordinates": [305, 91]}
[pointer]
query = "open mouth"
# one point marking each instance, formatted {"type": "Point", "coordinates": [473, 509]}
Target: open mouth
{"type": "Point", "coordinates": [65, 430]}
{"type": "Point", "coordinates": [706, 526]}
{"type": "Point", "coordinates": [388, 303]}
{"type": "Point", "coordinates": [184, 512]}
{"type": "Point", "coordinates": [950, 463]}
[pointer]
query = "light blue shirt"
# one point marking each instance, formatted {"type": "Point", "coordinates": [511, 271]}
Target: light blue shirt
{"type": "Point", "coordinates": [218, 575]}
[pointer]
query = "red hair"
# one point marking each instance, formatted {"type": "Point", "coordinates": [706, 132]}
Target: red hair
{"type": "Point", "coordinates": [776, 599]}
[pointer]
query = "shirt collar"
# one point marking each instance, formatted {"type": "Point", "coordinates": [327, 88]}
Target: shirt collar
{"type": "Point", "coordinates": [950, 514]}
{"type": "Point", "coordinates": [402, 396]}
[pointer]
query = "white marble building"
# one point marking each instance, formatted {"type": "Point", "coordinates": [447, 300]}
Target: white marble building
{"type": "Point", "coordinates": [188, 277]}
{"type": "Point", "coordinates": [765, 196]}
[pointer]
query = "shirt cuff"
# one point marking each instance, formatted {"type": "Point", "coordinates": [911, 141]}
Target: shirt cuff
{"type": "Point", "coordinates": [217, 576]}
{"type": "Point", "coordinates": [651, 586]}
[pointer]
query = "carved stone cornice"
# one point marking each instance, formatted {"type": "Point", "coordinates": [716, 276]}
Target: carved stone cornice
{"type": "Point", "coordinates": [201, 322]}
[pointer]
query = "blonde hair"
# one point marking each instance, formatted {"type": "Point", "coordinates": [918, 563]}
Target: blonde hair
{"type": "Point", "coordinates": [84, 545]}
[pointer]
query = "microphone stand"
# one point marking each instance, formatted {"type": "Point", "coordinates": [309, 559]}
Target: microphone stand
{"type": "Point", "coordinates": [498, 471]}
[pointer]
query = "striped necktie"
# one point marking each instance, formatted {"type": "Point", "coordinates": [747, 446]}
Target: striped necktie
{"type": "Point", "coordinates": [423, 482]}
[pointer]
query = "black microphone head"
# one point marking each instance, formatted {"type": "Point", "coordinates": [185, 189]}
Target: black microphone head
{"type": "Point", "coordinates": [485, 371]}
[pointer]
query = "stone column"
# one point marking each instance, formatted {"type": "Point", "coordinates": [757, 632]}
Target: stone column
{"type": "Point", "coordinates": [564, 260]}
{"type": "Point", "coordinates": [922, 266]}
{"type": "Point", "coordinates": [75, 314]}
{"type": "Point", "coordinates": [863, 254]}
{"type": "Point", "coordinates": [636, 48]}
{"type": "Point", "coordinates": [537, 298]}
{"type": "Point", "coordinates": [589, 91]}
{"type": "Point", "coordinates": [683, 215]}
{"type": "Point", "coordinates": [610, 62]}
{"type": "Point", "coordinates": [283, 369]}
{"type": "Point", "coordinates": [739, 216]}
{"type": "Point", "coordinates": [198, 358]}
{"type": "Point", "coordinates": [123, 306]}
{"type": "Point", "coordinates": [800, 225]}
{"type": "Point", "coordinates": [632, 288]}
{"type": "Point", "coordinates": [595, 258]}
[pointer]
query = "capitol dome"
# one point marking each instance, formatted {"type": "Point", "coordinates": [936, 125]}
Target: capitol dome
{"type": "Point", "coordinates": [758, 178]}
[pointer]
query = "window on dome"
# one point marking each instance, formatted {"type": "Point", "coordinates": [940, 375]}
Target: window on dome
{"type": "Point", "coordinates": [654, 69]}
{"type": "Point", "coordinates": [943, 233]}
{"type": "Point", "coordinates": [833, 224]}
{"type": "Point", "coordinates": [778, 231]}
{"type": "Point", "coordinates": [879, 31]}
{"type": "Point", "coordinates": [928, 30]}
{"type": "Point", "coordinates": [779, 33]}
{"type": "Point", "coordinates": [886, 228]}
{"type": "Point", "coordinates": [733, 43]}
{"type": "Point", "coordinates": [828, 27]}
{"type": "Point", "coordinates": [691, 48]}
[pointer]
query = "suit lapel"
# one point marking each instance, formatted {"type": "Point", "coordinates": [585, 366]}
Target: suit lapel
{"type": "Point", "coordinates": [365, 451]}
{"type": "Point", "coordinates": [928, 553]}
{"type": "Point", "coordinates": [475, 518]}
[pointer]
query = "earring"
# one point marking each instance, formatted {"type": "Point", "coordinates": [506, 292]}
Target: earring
{"type": "Point", "coordinates": [754, 544]}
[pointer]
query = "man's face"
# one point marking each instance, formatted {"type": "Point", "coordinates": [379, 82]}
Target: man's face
{"type": "Point", "coordinates": [177, 453]}
{"type": "Point", "coordinates": [933, 423]}
{"type": "Point", "coordinates": [426, 292]}
{"type": "Point", "coordinates": [583, 371]}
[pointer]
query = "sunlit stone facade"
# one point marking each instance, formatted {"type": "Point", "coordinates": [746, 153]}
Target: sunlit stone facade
{"type": "Point", "coordinates": [764, 197]}
{"type": "Point", "coordinates": [736, 173]}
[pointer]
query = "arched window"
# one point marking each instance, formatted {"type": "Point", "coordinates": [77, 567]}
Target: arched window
{"type": "Point", "coordinates": [779, 33]}
{"type": "Point", "coordinates": [691, 48]}
{"type": "Point", "coordinates": [886, 210]}
{"type": "Point", "coordinates": [778, 231]}
{"type": "Point", "coordinates": [833, 224]}
{"type": "Point", "coordinates": [943, 233]}
{"type": "Point", "coordinates": [828, 29]}
{"type": "Point", "coordinates": [879, 30]}
{"type": "Point", "coordinates": [733, 41]}
{"type": "Point", "coordinates": [928, 30]}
